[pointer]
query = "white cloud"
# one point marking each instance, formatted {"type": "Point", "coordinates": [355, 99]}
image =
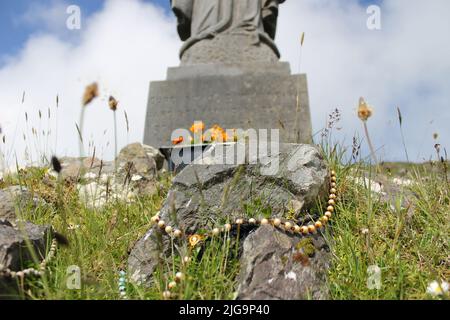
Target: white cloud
{"type": "Point", "coordinates": [404, 65]}
{"type": "Point", "coordinates": [129, 43]}
{"type": "Point", "coordinates": [123, 48]}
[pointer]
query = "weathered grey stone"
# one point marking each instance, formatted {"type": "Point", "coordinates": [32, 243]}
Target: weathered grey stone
{"type": "Point", "coordinates": [236, 69]}
{"type": "Point", "coordinates": [202, 194]}
{"type": "Point", "coordinates": [14, 251]}
{"type": "Point", "coordinates": [228, 49]}
{"type": "Point", "coordinates": [19, 240]}
{"type": "Point", "coordinates": [15, 199]}
{"type": "Point", "coordinates": [74, 168]}
{"type": "Point", "coordinates": [280, 266]}
{"type": "Point", "coordinates": [133, 159]}
{"type": "Point", "coordinates": [246, 100]}
{"type": "Point", "coordinates": [146, 254]}
{"type": "Point", "coordinates": [18, 245]}
{"type": "Point", "coordinates": [145, 160]}
{"type": "Point", "coordinates": [132, 174]}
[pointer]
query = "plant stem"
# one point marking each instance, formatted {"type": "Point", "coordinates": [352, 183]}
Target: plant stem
{"type": "Point", "coordinates": [297, 109]}
{"type": "Point", "coordinates": [372, 150]}
{"type": "Point", "coordinates": [115, 141]}
{"type": "Point", "coordinates": [80, 128]}
{"type": "Point", "coordinates": [404, 144]}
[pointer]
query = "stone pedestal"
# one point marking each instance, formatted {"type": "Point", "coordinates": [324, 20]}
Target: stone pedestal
{"type": "Point", "coordinates": [250, 96]}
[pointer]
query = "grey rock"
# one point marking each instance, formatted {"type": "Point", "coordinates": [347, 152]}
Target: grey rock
{"type": "Point", "coordinates": [135, 158]}
{"type": "Point", "coordinates": [19, 240]}
{"type": "Point", "coordinates": [203, 194]}
{"type": "Point", "coordinates": [145, 160]}
{"type": "Point", "coordinates": [156, 155]}
{"type": "Point", "coordinates": [14, 251]}
{"type": "Point", "coordinates": [146, 254]}
{"type": "Point", "coordinates": [74, 168]}
{"type": "Point", "coordinates": [18, 245]}
{"type": "Point", "coordinates": [278, 266]}
{"type": "Point", "coordinates": [132, 174]}
{"type": "Point", "coordinates": [14, 199]}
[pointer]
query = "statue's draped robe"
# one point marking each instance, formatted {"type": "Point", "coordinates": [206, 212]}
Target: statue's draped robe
{"type": "Point", "coordinates": [203, 19]}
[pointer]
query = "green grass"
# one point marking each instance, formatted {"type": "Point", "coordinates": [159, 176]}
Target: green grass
{"type": "Point", "coordinates": [210, 275]}
{"type": "Point", "coordinates": [100, 241]}
{"type": "Point", "coordinates": [409, 245]}
{"type": "Point", "coordinates": [410, 248]}
{"type": "Point", "coordinates": [98, 246]}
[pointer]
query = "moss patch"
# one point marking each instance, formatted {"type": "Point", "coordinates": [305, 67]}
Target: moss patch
{"type": "Point", "coordinates": [307, 246]}
{"type": "Point", "coordinates": [284, 260]}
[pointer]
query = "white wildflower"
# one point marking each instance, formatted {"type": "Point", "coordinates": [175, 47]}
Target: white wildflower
{"type": "Point", "coordinates": [136, 178]}
{"type": "Point", "coordinates": [374, 186]}
{"type": "Point", "coordinates": [53, 173]}
{"type": "Point", "coordinates": [402, 182]}
{"type": "Point", "coordinates": [93, 195]}
{"type": "Point", "coordinates": [435, 289]}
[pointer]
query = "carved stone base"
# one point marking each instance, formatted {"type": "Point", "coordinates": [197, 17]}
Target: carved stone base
{"type": "Point", "coordinates": [251, 96]}
{"type": "Point", "coordinates": [229, 48]}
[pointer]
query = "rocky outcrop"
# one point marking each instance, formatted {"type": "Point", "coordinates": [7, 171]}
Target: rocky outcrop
{"type": "Point", "coordinates": [73, 169]}
{"type": "Point", "coordinates": [14, 249]}
{"type": "Point", "coordinates": [14, 199]}
{"type": "Point", "coordinates": [208, 191]}
{"type": "Point", "coordinates": [134, 159]}
{"type": "Point", "coordinates": [280, 266]}
{"type": "Point", "coordinates": [132, 174]}
{"type": "Point", "coordinates": [145, 160]}
{"type": "Point", "coordinates": [20, 242]}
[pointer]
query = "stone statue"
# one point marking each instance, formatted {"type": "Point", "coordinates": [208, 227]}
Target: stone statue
{"type": "Point", "coordinates": [227, 31]}
{"type": "Point", "coordinates": [230, 75]}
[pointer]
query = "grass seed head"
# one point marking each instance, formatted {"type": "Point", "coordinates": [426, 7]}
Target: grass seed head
{"type": "Point", "coordinates": [364, 111]}
{"type": "Point", "coordinates": [56, 164]}
{"type": "Point", "coordinates": [90, 93]}
{"type": "Point", "coordinates": [113, 103]}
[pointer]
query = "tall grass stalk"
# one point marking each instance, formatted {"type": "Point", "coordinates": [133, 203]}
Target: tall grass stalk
{"type": "Point", "coordinates": [400, 120]}
{"type": "Point", "coordinates": [90, 93]}
{"type": "Point", "coordinates": [369, 142]}
{"type": "Point", "coordinates": [113, 103]}
{"type": "Point", "coordinates": [364, 113]}
{"type": "Point", "coordinates": [56, 123]}
{"type": "Point", "coordinates": [128, 126]}
{"type": "Point", "coordinates": [115, 138]}
{"type": "Point", "coordinates": [297, 98]}
{"type": "Point", "coordinates": [80, 127]}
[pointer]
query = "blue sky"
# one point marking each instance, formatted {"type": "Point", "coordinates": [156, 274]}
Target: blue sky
{"type": "Point", "coordinates": [14, 32]}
